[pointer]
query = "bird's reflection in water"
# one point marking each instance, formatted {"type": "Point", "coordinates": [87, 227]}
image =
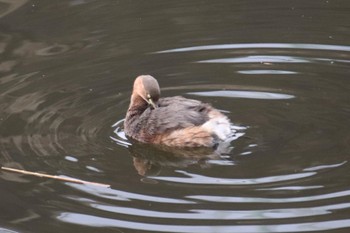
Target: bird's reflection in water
{"type": "Point", "coordinates": [149, 160]}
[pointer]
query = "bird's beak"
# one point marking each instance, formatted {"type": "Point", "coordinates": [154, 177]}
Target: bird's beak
{"type": "Point", "coordinates": [150, 101]}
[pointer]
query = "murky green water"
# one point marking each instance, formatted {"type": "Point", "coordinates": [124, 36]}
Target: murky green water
{"type": "Point", "coordinates": [279, 69]}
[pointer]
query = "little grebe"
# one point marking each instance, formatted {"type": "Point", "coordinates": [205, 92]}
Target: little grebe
{"type": "Point", "coordinates": [172, 121]}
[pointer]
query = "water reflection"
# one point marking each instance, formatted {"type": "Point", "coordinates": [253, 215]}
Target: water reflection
{"type": "Point", "coordinates": [94, 221]}
{"type": "Point", "coordinates": [257, 72]}
{"type": "Point", "coordinates": [244, 94]}
{"type": "Point", "coordinates": [293, 46]}
{"type": "Point", "coordinates": [7, 230]}
{"type": "Point", "coordinates": [149, 160]}
{"type": "Point", "coordinates": [8, 6]}
{"type": "Point", "coordinates": [258, 59]}
{"type": "Point", "coordinates": [52, 50]}
{"type": "Point", "coordinates": [231, 199]}
{"type": "Point", "coordinates": [280, 71]}
{"type": "Point", "coordinates": [227, 214]}
{"type": "Point", "coordinates": [119, 195]}
{"type": "Point", "coordinates": [198, 179]}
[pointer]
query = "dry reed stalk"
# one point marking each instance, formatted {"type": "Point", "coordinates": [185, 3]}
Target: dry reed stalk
{"type": "Point", "coordinates": [54, 177]}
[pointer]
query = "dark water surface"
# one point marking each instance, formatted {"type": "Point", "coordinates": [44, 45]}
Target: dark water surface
{"type": "Point", "coordinates": [279, 69]}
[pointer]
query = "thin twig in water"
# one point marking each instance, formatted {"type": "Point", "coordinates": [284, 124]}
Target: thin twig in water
{"type": "Point", "coordinates": [54, 177]}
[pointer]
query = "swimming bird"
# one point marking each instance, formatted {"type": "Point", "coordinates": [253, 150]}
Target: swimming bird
{"type": "Point", "coordinates": [172, 121]}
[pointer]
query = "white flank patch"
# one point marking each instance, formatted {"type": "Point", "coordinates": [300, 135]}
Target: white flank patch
{"type": "Point", "coordinates": [220, 126]}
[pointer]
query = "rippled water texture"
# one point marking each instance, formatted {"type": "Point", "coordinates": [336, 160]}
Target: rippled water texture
{"type": "Point", "coordinates": [278, 69]}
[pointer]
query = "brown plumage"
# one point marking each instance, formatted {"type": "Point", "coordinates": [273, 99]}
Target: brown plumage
{"type": "Point", "coordinates": [172, 121]}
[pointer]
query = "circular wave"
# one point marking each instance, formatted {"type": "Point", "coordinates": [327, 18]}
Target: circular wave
{"type": "Point", "coordinates": [279, 177]}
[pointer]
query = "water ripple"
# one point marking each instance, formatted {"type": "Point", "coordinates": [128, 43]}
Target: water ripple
{"type": "Point", "coordinates": [286, 184]}
{"type": "Point", "coordinates": [258, 59]}
{"type": "Point", "coordinates": [220, 214]}
{"type": "Point", "coordinates": [200, 179]}
{"type": "Point", "coordinates": [126, 196]}
{"type": "Point", "coordinates": [261, 46]}
{"type": "Point", "coordinates": [257, 72]}
{"type": "Point", "coordinates": [231, 199]}
{"type": "Point", "coordinates": [244, 94]}
{"type": "Point", "coordinates": [89, 220]}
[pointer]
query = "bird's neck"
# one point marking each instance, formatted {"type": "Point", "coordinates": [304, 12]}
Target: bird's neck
{"type": "Point", "coordinates": [137, 105]}
{"type": "Point", "coordinates": [132, 123]}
